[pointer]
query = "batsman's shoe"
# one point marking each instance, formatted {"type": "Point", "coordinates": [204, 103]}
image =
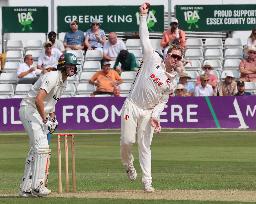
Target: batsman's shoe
{"type": "Point", "coordinates": [148, 188]}
{"type": "Point", "coordinates": [41, 191]}
{"type": "Point", "coordinates": [131, 172]}
{"type": "Point", "coordinates": [25, 194]}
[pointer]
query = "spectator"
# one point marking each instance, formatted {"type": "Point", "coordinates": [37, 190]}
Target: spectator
{"type": "Point", "coordinates": [204, 89]}
{"type": "Point", "coordinates": [112, 47]}
{"type": "Point", "coordinates": [55, 43]}
{"type": "Point", "coordinates": [213, 79]}
{"type": "Point", "coordinates": [95, 37]}
{"type": "Point", "coordinates": [180, 90]}
{"type": "Point", "coordinates": [228, 86]}
{"type": "Point", "coordinates": [189, 87]}
{"type": "Point", "coordinates": [173, 36]}
{"type": "Point", "coordinates": [106, 81]}
{"type": "Point", "coordinates": [74, 40]}
{"type": "Point", "coordinates": [26, 73]}
{"type": "Point", "coordinates": [241, 89]}
{"type": "Point", "coordinates": [248, 66]}
{"type": "Point", "coordinates": [127, 60]}
{"type": "Point", "coordinates": [48, 60]}
{"type": "Point", "coordinates": [252, 38]}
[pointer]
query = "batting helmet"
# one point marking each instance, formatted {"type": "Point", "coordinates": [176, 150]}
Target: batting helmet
{"type": "Point", "coordinates": [67, 58]}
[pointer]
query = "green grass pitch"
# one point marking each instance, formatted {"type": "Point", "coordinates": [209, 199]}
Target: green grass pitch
{"type": "Point", "coordinates": [210, 160]}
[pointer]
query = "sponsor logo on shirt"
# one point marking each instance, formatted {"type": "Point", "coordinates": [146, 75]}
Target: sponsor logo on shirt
{"type": "Point", "coordinates": [55, 98]}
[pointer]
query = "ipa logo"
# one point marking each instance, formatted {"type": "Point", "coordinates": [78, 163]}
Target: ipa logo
{"type": "Point", "coordinates": [151, 19]}
{"type": "Point", "coordinates": [25, 19]}
{"type": "Point", "coordinates": [191, 17]}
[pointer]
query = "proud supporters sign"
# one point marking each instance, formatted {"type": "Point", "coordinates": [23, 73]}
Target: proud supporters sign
{"type": "Point", "coordinates": [105, 113]}
{"type": "Point", "coordinates": [216, 17]}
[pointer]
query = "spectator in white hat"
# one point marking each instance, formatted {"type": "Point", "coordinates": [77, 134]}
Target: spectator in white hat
{"type": "Point", "coordinates": [180, 90]}
{"type": "Point", "coordinates": [248, 66]}
{"type": "Point", "coordinates": [228, 86]}
{"type": "Point", "coordinates": [188, 86]}
{"type": "Point", "coordinates": [173, 36]}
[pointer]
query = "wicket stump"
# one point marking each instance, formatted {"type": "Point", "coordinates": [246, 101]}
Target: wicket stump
{"type": "Point", "coordinates": [67, 137]}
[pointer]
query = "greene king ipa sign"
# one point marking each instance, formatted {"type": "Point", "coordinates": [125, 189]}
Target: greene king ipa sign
{"type": "Point", "coordinates": [25, 19]}
{"type": "Point", "coordinates": [112, 18]}
{"type": "Point", "coordinates": [216, 17]}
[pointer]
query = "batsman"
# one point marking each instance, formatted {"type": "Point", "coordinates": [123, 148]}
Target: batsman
{"type": "Point", "coordinates": [37, 114]}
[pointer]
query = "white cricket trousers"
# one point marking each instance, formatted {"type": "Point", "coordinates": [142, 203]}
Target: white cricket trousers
{"type": "Point", "coordinates": [38, 143]}
{"type": "Point", "coordinates": [136, 122]}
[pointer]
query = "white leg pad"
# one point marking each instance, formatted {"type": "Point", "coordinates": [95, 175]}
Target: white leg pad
{"type": "Point", "coordinates": [39, 167]}
{"type": "Point", "coordinates": [26, 180]}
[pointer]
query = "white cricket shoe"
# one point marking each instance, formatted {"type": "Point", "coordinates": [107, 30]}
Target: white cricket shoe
{"type": "Point", "coordinates": [25, 194]}
{"type": "Point", "coordinates": [41, 191]}
{"type": "Point", "coordinates": [148, 188]}
{"type": "Point", "coordinates": [131, 172]}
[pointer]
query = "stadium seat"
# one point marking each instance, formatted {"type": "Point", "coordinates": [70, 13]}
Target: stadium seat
{"type": "Point", "coordinates": [95, 55]}
{"type": "Point", "coordinates": [250, 87]}
{"type": "Point", "coordinates": [8, 78]}
{"type": "Point", "coordinates": [137, 53]}
{"type": "Point", "coordinates": [6, 91]}
{"type": "Point", "coordinates": [193, 65]}
{"type": "Point", "coordinates": [128, 76]}
{"type": "Point", "coordinates": [213, 43]}
{"type": "Point", "coordinates": [193, 75]}
{"type": "Point", "coordinates": [86, 76]}
{"type": "Point", "coordinates": [233, 53]}
{"type": "Point", "coordinates": [194, 54]}
{"type": "Point", "coordinates": [70, 90]}
{"type": "Point", "coordinates": [231, 64]}
{"type": "Point", "coordinates": [233, 43]}
{"type": "Point", "coordinates": [33, 45]}
{"type": "Point", "coordinates": [21, 90]}
{"type": "Point", "coordinates": [133, 44]}
{"type": "Point", "coordinates": [14, 55]}
{"type": "Point", "coordinates": [78, 53]}
{"type": "Point", "coordinates": [11, 66]}
{"type": "Point", "coordinates": [213, 54]}
{"type": "Point", "coordinates": [216, 64]}
{"type": "Point", "coordinates": [194, 43]}
{"type": "Point", "coordinates": [155, 43]}
{"type": "Point", "coordinates": [84, 89]}
{"type": "Point", "coordinates": [91, 66]}
{"type": "Point", "coordinates": [14, 45]}
{"type": "Point", "coordinates": [125, 88]}
{"type": "Point", "coordinates": [35, 53]}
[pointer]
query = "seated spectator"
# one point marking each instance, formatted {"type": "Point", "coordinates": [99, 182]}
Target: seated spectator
{"type": "Point", "coordinates": [125, 61]}
{"type": "Point", "coordinates": [173, 36]}
{"type": "Point", "coordinates": [241, 89]}
{"type": "Point", "coordinates": [74, 40]}
{"type": "Point", "coordinates": [106, 81]}
{"type": "Point", "coordinates": [251, 41]}
{"type": "Point", "coordinates": [26, 73]}
{"type": "Point", "coordinates": [95, 37]}
{"type": "Point", "coordinates": [228, 86]}
{"type": "Point", "coordinates": [204, 89]}
{"type": "Point", "coordinates": [180, 90]}
{"type": "Point", "coordinates": [248, 66]}
{"type": "Point", "coordinates": [48, 59]}
{"type": "Point", "coordinates": [55, 43]}
{"type": "Point", "coordinates": [112, 47]}
{"type": "Point", "coordinates": [189, 87]}
{"type": "Point", "coordinates": [213, 79]}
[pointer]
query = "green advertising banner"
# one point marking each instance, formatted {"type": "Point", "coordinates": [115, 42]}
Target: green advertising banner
{"type": "Point", "coordinates": [24, 19]}
{"type": "Point", "coordinates": [112, 18]}
{"type": "Point", "coordinates": [216, 17]}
